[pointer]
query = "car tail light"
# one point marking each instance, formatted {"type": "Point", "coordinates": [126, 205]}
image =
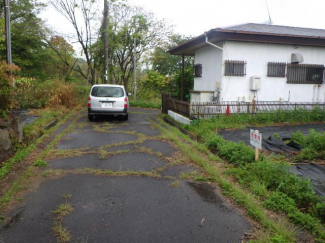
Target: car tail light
{"type": "Point", "coordinates": [89, 104]}
{"type": "Point", "coordinates": [126, 102]}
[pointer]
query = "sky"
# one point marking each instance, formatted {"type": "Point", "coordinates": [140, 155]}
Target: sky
{"type": "Point", "coordinates": [194, 17]}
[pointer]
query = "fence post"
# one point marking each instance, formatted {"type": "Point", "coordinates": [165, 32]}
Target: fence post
{"type": "Point", "coordinates": [164, 104]}
{"type": "Point", "coordinates": [248, 108]}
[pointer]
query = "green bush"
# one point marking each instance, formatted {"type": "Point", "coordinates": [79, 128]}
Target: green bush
{"type": "Point", "coordinates": [279, 202]}
{"type": "Point", "coordinates": [306, 221]}
{"type": "Point", "coordinates": [243, 120]}
{"type": "Point", "coordinates": [313, 145]}
{"type": "Point", "coordinates": [236, 153]}
{"type": "Point", "coordinates": [31, 93]}
{"type": "Point", "coordinates": [5, 85]}
{"type": "Point", "coordinates": [276, 177]}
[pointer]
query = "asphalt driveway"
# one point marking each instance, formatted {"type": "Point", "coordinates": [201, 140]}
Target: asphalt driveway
{"type": "Point", "coordinates": [121, 181]}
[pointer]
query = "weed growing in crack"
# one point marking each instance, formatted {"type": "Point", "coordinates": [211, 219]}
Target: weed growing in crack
{"type": "Point", "coordinates": [103, 154]}
{"type": "Point", "coordinates": [40, 163]}
{"type": "Point", "coordinates": [60, 212]}
{"type": "Point", "coordinates": [61, 233]}
{"type": "Point", "coordinates": [63, 210]}
{"type": "Point", "coordinates": [190, 175]}
{"type": "Point", "coordinates": [146, 150]}
{"type": "Point", "coordinates": [175, 183]}
{"type": "Point", "coordinates": [98, 172]}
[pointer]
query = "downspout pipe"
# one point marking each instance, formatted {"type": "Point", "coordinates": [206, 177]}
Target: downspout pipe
{"type": "Point", "coordinates": [211, 44]}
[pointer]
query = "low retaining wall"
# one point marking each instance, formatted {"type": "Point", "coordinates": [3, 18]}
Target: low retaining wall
{"type": "Point", "coordinates": [179, 118]}
{"type": "Point", "coordinates": [7, 132]}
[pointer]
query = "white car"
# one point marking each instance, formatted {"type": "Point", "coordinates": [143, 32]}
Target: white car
{"type": "Point", "coordinates": [106, 99]}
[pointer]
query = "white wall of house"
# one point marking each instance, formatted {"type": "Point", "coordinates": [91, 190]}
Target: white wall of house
{"type": "Point", "coordinates": [211, 60]}
{"type": "Point", "coordinates": [257, 55]}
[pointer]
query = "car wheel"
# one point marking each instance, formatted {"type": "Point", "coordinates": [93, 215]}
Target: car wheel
{"type": "Point", "coordinates": [126, 117]}
{"type": "Point", "coordinates": [91, 117]}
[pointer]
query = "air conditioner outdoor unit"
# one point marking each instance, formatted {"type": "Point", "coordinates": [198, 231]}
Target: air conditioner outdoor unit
{"type": "Point", "coordinates": [255, 83]}
{"type": "Point", "coordinates": [297, 58]}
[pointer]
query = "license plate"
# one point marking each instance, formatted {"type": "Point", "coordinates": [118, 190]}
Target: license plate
{"type": "Point", "coordinates": [107, 105]}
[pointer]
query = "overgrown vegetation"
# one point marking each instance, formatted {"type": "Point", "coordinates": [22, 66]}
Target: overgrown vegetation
{"type": "Point", "coordinates": [24, 151]}
{"type": "Point", "coordinates": [243, 120]}
{"type": "Point", "coordinates": [269, 179]}
{"type": "Point", "coordinates": [313, 145]}
{"type": "Point", "coordinates": [150, 103]}
{"type": "Point", "coordinates": [275, 229]}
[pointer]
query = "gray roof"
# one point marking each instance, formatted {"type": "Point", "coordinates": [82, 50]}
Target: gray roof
{"type": "Point", "coordinates": [276, 30]}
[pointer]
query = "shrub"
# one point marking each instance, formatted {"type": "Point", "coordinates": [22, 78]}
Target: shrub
{"type": "Point", "coordinates": [313, 145]}
{"type": "Point", "coordinates": [62, 95]}
{"type": "Point", "coordinates": [276, 177]}
{"type": "Point", "coordinates": [31, 93]}
{"type": "Point", "coordinates": [5, 84]}
{"type": "Point", "coordinates": [236, 153]}
{"type": "Point", "coordinates": [279, 202]}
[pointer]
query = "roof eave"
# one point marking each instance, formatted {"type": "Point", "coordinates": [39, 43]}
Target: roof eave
{"type": "Point", "coordinates": [215, 35]}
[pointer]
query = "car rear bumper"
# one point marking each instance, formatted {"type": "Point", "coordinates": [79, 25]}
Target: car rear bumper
{"type": "Point", "coordinates": [106, 112]}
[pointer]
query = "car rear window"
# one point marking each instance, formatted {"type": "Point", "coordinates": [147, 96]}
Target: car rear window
{"type": "Point", "coordinates": [107, 92]}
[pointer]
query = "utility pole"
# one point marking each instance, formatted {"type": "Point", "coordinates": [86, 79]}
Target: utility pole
{"type": "Point", "coordinates": [8, 34]}
{"type": "Point", "coordinates": [105, 28]}
{"type": "Point", "coordinates": [135, 69]}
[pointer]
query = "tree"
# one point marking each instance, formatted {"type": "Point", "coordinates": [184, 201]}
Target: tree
{"type": "Point", "coordinates": [171, 66]}
{"type": "Point", "coordinates": [65, 63]}
{"type": "Point", "coordinates": [129, 23]}
{"type": "Point", "coordinates": [155, 82]}
{"type": "Point", "coordinates": [86, 31]}
{"type": "Point", "coordinates": [28, 48]}
{"type": "Point", "coordinates": [166, 64]}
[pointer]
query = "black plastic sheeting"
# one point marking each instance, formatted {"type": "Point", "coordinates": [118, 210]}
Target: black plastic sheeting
{"type": "Point", "coordinates": [315, 173]}
{"type": "Point", "coordinates": [276, 145]}
{"type": "Point", "coordinates": [269, 141]}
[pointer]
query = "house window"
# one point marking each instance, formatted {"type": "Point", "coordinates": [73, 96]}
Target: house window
{"type": "Point", "coordinates": [305, 74]}
{"type": "Point", "coordinates": [276, 69]}
{"type": "Point", "coordinates": [235, 68]}
{"type": "Point", "coordinates": [198, 70]}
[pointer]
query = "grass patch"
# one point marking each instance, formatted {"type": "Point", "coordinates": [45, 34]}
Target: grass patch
{"type": "Point", "coordinates": [45, 116]}
{"type": "Point", "coordinates": [24, 152]}
{"type": "Point", "coordinates": [175, 183]}
{"type": "Point", "coordinates": [145, 103]}
{"type": "Point", "coordinates": [40, 163]}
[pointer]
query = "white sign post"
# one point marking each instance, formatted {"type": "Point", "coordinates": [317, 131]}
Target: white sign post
{"type": "Point", "coordinates": [256, 141]}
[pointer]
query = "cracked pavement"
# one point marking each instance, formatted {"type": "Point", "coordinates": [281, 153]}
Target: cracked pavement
{"type": "Point", "coordinates": [127, 184]}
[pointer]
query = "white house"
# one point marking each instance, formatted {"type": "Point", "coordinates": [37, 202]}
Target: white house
{"type": "Point", "coordinates": [268, 62]}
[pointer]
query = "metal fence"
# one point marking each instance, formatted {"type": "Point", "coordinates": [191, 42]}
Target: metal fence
{"type": "Point", "coordinates": [206, 110]}
{"type": "Point", "coordinates": [178, 106]}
